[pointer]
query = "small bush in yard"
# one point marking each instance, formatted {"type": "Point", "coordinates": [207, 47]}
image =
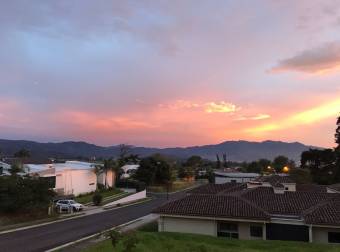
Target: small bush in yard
{"type": "Point", "coordinates": [97, 199]}
{"type": "Point", "coordinates": [115, 236]}
{"type": "Point", "coordinates": [130, 242]}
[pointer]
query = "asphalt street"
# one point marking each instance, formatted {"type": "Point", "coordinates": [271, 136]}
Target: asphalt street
{"type": "Point", "coordinates": [55, 234]}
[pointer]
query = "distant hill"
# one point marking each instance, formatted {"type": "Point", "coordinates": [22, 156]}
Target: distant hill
{"type": "Point", "coordinates": [235, 150]}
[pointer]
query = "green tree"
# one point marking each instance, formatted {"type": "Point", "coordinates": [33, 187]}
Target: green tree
{"type": "Point", "coordinates": [337, 133]}
{"type": "Point", "coordinates": [264, 164]}
{"type": "Point", "coordinates": [154, 170]}
{"type": "Point", "coordinates": [337, 152]}
{"type": "Point", "coordinates": [321, 164]}
{"type": "Point", "coordinates": [194, 161]}
{"type": "Point", "coordinates": [254, 167]}
{"type": "Point", "coordinates": [24, 194]}
{"type": "Point", "coordinates": [124, 152]}
{"type": "Point", "coordinates": [301, 176]}
{"type": "Point", "coordinates": [22, 155]}
{"type": "Point", "coordinates": [279, 162]}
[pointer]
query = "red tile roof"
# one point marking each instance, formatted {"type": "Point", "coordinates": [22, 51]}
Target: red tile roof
{"type": "Point", "coordinates": [326, 213]}
{"type": "Point", "coordinates": [234, 200]}
{"type": "Point", "coordinates": [213, 206]}
{"type": "Point", "coordinates": [288, 203]}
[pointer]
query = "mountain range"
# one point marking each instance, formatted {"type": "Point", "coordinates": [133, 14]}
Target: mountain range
{"type": "Point", "coordinates": [235, 150]}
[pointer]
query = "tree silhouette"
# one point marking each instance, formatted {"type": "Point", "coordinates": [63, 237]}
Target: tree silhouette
{"type": "Point", "coordinates": [337, 133]}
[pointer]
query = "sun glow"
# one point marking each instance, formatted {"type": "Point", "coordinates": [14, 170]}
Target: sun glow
{"type": "Point", "coordinates": [331, 109]}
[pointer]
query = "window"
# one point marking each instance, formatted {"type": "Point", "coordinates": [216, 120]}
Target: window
{"type": "Point", "coordinates": [228, 230]}
{"type": "Point", "coordinates": [233, 181]}
{"type": "Point", "coordinates": [286, 188]}
{"type": "Point", "coordinates": [333, 237]}
{"type": "Point", "coordinates": [256, 231]}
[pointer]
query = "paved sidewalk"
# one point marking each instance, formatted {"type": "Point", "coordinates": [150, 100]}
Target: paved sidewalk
{"type": "Point", "coordinates": [140, 222]}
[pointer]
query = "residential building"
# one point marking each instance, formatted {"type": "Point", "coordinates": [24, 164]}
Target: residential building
{"type": "Point", "coordinates": [223, 176]}
{"type": "Point", "coordinates": [71, 177]}
{"type": "Point", "coordinates": [4, 168]}
{"type": "Point", "coordinates": [257, 211]}
{"type": "Point", "coordinates": [128, 170]}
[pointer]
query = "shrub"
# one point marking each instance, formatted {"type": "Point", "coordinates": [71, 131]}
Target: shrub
{"type": "Point", "coordinates": [115, 236]}
{"type": "Point", "coordinates": [97, 199]}
{"type": "Point", "coordinates": [24, 194]}
{"type": "Point", "coordinates": [101, 187]}
{"type": "Point", "coordinates": [130, 242]}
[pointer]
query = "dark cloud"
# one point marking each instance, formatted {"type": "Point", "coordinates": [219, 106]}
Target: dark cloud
{"type": "Point", "coordinates": [316, 60]}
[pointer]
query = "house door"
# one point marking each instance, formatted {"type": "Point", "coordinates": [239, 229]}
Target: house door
{"type": "Point", "coordinates": [287, 232]}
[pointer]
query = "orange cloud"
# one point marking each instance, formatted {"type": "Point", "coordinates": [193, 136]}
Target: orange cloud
{"type": "Point", "coordinates": [220, 107]}
{"type": "Point", "coordinates": [255, 118]}
{"type": "Point", "coordinates": [208, 107]}
{"type": "Point", "coordinates": [310, 116]}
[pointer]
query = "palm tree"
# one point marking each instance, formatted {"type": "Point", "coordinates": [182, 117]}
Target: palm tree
{"type": "Point", "coordinates": [22, 155]}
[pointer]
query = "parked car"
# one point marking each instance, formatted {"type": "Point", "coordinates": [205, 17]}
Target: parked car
{"type": "Point", "coordinates": [69, 204]}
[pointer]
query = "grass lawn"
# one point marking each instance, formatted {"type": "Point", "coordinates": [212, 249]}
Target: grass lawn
{"type": "Point", "coordinates": [157, 242]}
{"type": "Point", "coordinates": [87, 198]}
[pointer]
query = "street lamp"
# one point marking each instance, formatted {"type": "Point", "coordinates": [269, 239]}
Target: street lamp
{"type": "Point", "coordinates": [285, 169]}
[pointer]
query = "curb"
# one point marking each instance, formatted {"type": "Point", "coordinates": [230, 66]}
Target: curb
{"type": "Point", "coordinates": [42, 224]}
{"type": "Point", "coordinates": [128, 204]}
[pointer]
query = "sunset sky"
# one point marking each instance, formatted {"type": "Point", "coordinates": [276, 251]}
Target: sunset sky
{"type": "Point", "coordinates": [169, 73]}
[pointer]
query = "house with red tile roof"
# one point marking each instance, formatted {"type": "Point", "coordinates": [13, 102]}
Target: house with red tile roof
{"type": "Point", "coordinates": [269, 208]}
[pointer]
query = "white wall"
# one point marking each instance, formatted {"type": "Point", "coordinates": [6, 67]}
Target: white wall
{"type": "Point", "coordinates": [76, 181]}
{"type": "Point", "coordinates": [183, 225]}
{"type": "Point", "coordinates": [204, 226]}
{"type": "Point", "coordinates": [110, 179]}
{"type": "Point", "coordinates": [320, 234]}
{"type": "Point", "coordinates": [222, 180]}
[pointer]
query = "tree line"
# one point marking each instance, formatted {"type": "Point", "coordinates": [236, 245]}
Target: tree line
{"type": "Point", "coordinates": [324, 164]}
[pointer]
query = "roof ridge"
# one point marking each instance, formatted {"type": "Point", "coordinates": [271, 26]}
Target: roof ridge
{"type": "Point", "coordinates": [237, 186]}
{"type": "Point", "coordinates": [318, 206]}
{"type": "Point", "coordinates": [251, 204]}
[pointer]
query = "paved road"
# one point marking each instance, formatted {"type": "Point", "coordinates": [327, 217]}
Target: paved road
{"type": "Point", "coordinates": [52, 235]}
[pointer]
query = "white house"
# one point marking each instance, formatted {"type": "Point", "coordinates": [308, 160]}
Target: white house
{"type": "Point", "coordinates": [222, 177]}
{"type": "Point", "coordinates": [71, 177]}
{"type": "Point", "coordinates": [4, 168]}
{"type": "Point", "coordinates": [128, 170]}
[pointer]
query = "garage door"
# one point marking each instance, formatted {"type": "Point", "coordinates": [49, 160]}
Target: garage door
{"type": "Point", "coordinates": [287, 232]}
